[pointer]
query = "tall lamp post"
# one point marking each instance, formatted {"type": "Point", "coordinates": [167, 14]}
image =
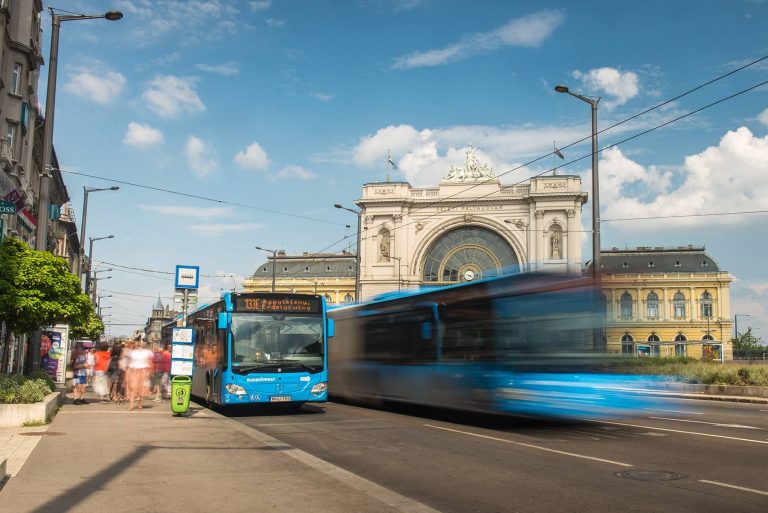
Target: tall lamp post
{"type": "Point", "coordinates": [359, 214]}
{"type": "Point", "coordinates": [736, 324]}
{"type": "Point", "coordinates": [596, 260]}
{"type": "Point", "coordinates": [90, 261]}
{"type": "Point", "coordinates": [98, 299]}
{"type": "Point", "coordinates": [94, 284]}
{"type": "Point", "coordinates": [274, 263]}
{"type": "Point", "coordinates": [86, 191]}
{"type": "Point", "coordinates": [41, 238]}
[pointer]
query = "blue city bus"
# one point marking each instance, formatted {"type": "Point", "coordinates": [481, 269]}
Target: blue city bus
{"type": "Point", "coordinates": [260, 348]}
{"type": "Point", "coordinates": [528, 344]}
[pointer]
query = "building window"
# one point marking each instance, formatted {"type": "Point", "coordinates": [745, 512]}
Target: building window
{"type": "Point", "coordinates": [285, 269]}
{"type": "Point", "coordinates": [706, 305]}
{"type": "Point", "coordinates": [704, 263]}
{"type": "Point", "coordinates": [708, 337]}
{"type": "Point", "coordinates": [652, 306]}
{"type": "Point", "coordinates": [350, 268]}
{"type": "Point", "coordinates": [328, 268]}
{"type": "Point", "coordinates": [627, 344]}
{"type": "Point", "coordinates": [651, 264]}
{"type": "Point", "coordinates": [626, 306]}
{"type": "Point", "coordinates": [306, 269]}
{"type": "Point", "coordinates": [653, 338]}
{"type": "Point", "coordinates": [16, 79]}
{"type": "Point", "coordinates": [679, 305]}
{"type": "Point", "coordinates": [625, 264]}
{"type": "Point", "coordinates": [678, 264]}
{"type": "Point", "coordinates": [680, 346]}
{"type": "Point", "coordinates": [263, 269]}
{"type": "Point", "coordinates": [10, 138]}
{"type": "Point", "coordinates": [348, 298]}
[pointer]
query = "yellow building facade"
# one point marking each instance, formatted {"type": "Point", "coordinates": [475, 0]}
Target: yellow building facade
{"type": "Point", "coordinates": [666, 302]}
{"type": "Point", "coordinates": [330, 275]}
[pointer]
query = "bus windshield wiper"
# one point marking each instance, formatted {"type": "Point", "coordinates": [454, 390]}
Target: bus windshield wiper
{"type": "Point", "coordinates": [302, 365]}
{"type": "Point", "coordinates": [248, 368]}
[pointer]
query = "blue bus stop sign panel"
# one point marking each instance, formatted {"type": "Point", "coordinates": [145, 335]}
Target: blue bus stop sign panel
{"type": "Point", "coordinates": [187, 276]}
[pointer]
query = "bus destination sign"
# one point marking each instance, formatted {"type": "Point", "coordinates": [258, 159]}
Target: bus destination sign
{"type": "Point", "coordinates": [277, 304]}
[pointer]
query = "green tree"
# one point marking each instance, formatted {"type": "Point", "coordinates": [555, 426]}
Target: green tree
{"type": "Point", "coordinates": [745, 344]}
{"type": "Point", "coordinates": [91, 328]}
{"type": "Point", "coordinates": [37, 290]}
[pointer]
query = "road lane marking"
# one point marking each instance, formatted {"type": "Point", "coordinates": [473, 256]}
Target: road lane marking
{"type": "Point", "coordinates": [676, 411]}
{"type": "Point", "coordinates": [531, 446]}
{"type": "Point", "coordinates": [752, 490]}
{"type": "Point", "coordinates": [680, 431]}
{"type": "Point", "coordinates": [709, 423]}
{"type": "Point", "coordinates": [317, 422]}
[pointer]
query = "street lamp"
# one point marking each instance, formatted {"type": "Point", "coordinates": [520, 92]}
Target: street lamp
{"type": "Point", "coordinates": [41, 241]}
{"type": "Point", "coordinates": [103, 308]}
{"type": "Point", "coordinates": [736, 324]}
{"type": "Point", "coordinates": [86, 191]}
{"type": "Point", "coordinates": [359, 214]}
{"type": "Point", "coordinates": [274, 263]}
{"type": "Point", "coordinates": [90, 261]}
{"type": "Point", "coordinates": [98, 299]}
{"type": "Point", "coordinates": [596, 260]}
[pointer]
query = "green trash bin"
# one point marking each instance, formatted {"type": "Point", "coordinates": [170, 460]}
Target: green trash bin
{"type": "Point", "coordinates": [181, 386]}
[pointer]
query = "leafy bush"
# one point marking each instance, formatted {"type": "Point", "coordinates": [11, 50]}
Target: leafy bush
{"type": "Point", "coordinates": [18, 389]}
{"type": "Point", "coordinates": [700, 372]}
{"type": "Point", "coordinates": [41, 374]}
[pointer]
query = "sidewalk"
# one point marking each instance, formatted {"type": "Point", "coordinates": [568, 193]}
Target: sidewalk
{"type": "Point", "coordinates": [102, 457]}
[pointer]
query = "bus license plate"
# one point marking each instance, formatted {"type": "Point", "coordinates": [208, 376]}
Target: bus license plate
{"type": "Point", "coordinates": [280, 398]}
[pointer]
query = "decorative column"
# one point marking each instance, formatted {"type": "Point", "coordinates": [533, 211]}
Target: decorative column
{"type": "Point", "coordinates": [573, 241]}
{"type": "Point", "coordinates": [538, 237]}
{"type": "Point", "coordinates": [664, 305]}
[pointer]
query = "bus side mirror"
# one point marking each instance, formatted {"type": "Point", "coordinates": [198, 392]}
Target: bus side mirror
{"type": "Point", "coordinates": [330, 328]}
{"type": "Point", "coordinates": [222, 321]}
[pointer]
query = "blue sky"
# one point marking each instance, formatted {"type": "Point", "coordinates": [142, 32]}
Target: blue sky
{"type": "Point", "coordinates": [287, 107]}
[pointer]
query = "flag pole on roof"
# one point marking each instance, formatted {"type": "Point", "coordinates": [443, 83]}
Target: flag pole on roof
{"type": "Point", "coordinates": [558, 153]}
{"type": "Point", "coordinates": [390, 163]}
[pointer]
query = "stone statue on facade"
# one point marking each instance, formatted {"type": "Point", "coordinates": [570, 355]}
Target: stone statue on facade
{"type": "Point", "coordinates": [384, 246]}
{"type": "Point", "coordinates": [556, 246]}
{"type": "Point", "coordinates": [472, 169]}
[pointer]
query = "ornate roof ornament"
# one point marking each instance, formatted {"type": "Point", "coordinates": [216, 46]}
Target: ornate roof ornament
{"type": "Point", "coordinates": [472, 170]}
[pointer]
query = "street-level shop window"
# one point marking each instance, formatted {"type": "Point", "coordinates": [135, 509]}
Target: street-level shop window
{"type": "Point", "coordinates": [627, 344]}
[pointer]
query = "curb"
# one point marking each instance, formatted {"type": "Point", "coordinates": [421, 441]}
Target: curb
{"type": "Point", "coordinates": [15, 415]}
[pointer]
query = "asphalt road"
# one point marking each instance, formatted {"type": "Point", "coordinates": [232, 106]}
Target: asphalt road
{"type": "Point", "coordinates": [682, 456]}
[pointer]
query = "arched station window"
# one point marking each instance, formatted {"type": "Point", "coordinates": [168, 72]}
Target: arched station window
{"type": "Point", "coordinates": [652, 306]}
{"type": "Point", "coordinates": [678, 302]}
{"type": "Point", "coordinates": [706, 305]}
{"type": "Point", "coordinates": [626, 306]}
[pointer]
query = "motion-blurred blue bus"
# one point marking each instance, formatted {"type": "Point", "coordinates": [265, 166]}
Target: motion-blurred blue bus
{"type": "Point", "coordinates": [260, 348]}
{"type": "Point", "coordinates": [528, 344]}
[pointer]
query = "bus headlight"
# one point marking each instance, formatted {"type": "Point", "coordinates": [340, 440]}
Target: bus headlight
{"type": "Point", "coordinates": [319, 388]}
{"type": "Point", "coordinates": [235, 389]}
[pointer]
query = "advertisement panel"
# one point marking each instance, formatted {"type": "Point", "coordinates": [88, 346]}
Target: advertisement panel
{"type": "Point", "coordinates": [54, 347]}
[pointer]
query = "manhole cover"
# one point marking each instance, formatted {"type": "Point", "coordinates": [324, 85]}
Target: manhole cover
{"type": "Point", "coordinates": [651, 475]}
{"type": "Point", "coordinates": [41, 433]}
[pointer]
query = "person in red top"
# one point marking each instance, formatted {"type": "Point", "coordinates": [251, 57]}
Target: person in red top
{"type": "Point", "coordinates": [100, 366]}
{"type": "Point", "coordinates": [161, 375]}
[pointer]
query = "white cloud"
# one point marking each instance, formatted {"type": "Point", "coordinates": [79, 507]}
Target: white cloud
{"type": "Point", "coordinates": [425, 156]}
{"type": "Point", "coordinates": [200, 156]}
{"type": "Point", "coordinates": [528, 31]}
{"type": "Point", "coordinates": [169, 95]}
{"type": "Point", "coordinates": [729, 176]}
{"type": "Point", "coordinates": [621, 86]}
{"type": "Point", "coordinates": [96, 83]}
{"type": "Point", "coordinates": [196, 212]}
{"type": "Point", "coordinates": [763, 117]}
{"type": "Point", "coordinates": [323, 97]}
{"type": "Point", "coordinates": [142, 136]}
{"type": "Point", "coordinates": [295, 172]}
{"type": "Point", "coordinates": [260, 5]}
{"type": "Point", "coordinates": [213, 229]}
{"type": "Point", "coordinates": [253, 157]}
{"type": "Point", "coordinates": [183, 20]}
{"type": "Point", "coordinates": [273, 23]}
{"type": "Point", "coordinates": [226, 69]}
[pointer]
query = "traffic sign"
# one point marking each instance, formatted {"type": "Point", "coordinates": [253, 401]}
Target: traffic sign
{"type": "Point", "coordinates": [6, 207]}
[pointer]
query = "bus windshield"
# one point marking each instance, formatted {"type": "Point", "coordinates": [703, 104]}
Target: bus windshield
{"type": "Point", "coordinates": [264, 341]}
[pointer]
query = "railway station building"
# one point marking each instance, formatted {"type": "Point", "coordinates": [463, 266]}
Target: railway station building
{"type": "Point", "coordinates": [468, 227]}
{"type": "Point", "coordinates": [666, 302]}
